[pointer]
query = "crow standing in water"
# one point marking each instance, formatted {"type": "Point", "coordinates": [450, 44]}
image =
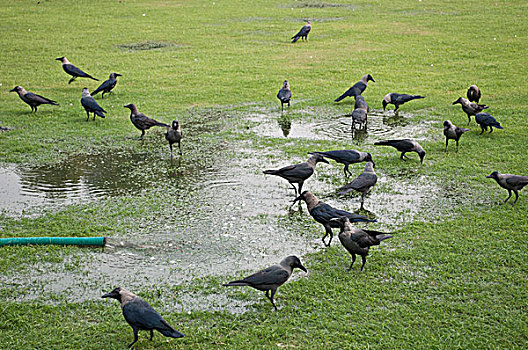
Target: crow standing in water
{"type": "Point", "coordinates": [473, 93]}
{"type": "Point", "coordinates": [357, 88]}
{"type": "Point", "coordinates": [346, 157]}
{"type": "Point", "coordinates": [510, 182]}
{"type": "Point", "coordinates": [453, 132]}
{"type": "Point", "coordinates": [271, 278]}
{"type": "Point", "coordinates": [357, 241]}
{"type": "Point", "coordinates": [108, 85]}
{"type": "Point", "coordinates": [33, 100]}
{"type": "Point", "coordinates": [362, 183]}
{"type": "Point", "coordinates": [90, 105]}
{"type": "Point", "coordinates": [324, 213]}
{"type": "Point", "coordinates": [72, 70]}
{"type": "Point", "coordinates": [141, 121]}
{"type": "Point", "coordinates": [398, 99]}
{"type": "Point", "coordinates": [174, 135]}
{"type": "Point", "coordinates": [140, 315]}
{"type": "Point", "coordinates": [284, 94]}
{"type": "Point", "coordinates": [303, 33]}
{"type": "Point", "coordinates": [404, 146]}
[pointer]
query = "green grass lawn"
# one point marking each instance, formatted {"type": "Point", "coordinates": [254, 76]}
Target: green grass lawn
{"type": "Point", "coordinates": [454, 275]}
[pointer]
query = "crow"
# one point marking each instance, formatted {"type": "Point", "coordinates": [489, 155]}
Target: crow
{"type": "Point", "coordinates": [73, 71]}
{"type": "Point", "coordinates": [33, 100]}
{"type": "Point", "coordinates": [357, 88]}
{"type": "Point", "coordinates": [346, 157]}
{"type": "Point", "coordinates": [404, 146]}
{"type": "Point", "coordinates": [140, 315]}
{"type": "Point", "coordinates": [298, 173]}
{"type": "Point", "coordinates": [363, 183]}
{"type": "Point", "coordinates": [510, 182]}
{"type": "Point", "coordinates": [359, 114]}
{"type": "Point", "coordinates": [452, 132]}
{"type": "Point", "coordinates": [90, 105]}
{"type": "Point", "coordinates": [323, 213]}
{"type": "Point", "coordinates": [473, 93]}
{"type": "Point", "coordinates": [271, 278]}
{"type": "Point", "coordinates": [357, 241]}
{"type": "Point", "coordinates": [486, 120]}
{"type": "Point", "coordinates": [470, 108]}
{"type": "Point", "coordinates": [284, 94]}
{"type": "Point", "coordinates": [141, 121]}
{"type": "Point", "coordinates": [108, 85]}
{"type": "Point", "coordinates": [174, 135]}
{"type": "Point", "coordinates": [398, 99]}
{"type": "Point", "coordinates": [303, 33]}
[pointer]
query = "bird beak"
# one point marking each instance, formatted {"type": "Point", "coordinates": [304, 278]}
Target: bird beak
{"type": "Point", "coordinates": [457, 101]}
{"type": "Point", "coordinates": [302, 268]}
{"type": "Point", "coordinates": [126, 106]}
{"type": "Point", "coordinates": [489, 177]}
{"type": "Point", "coordinates": [118, 75]}
{"type": "Point", "coordinates": [107, 295]}
{"type": "Point", "coordinates": [58, 59]}
{"type": "Point", "coordinates": [12, 90]}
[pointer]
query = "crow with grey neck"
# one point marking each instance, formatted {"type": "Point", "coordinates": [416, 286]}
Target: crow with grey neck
{"type": "Point", "coordinates": [357, 241]}
{"type": "Point", "coordinates": [33, 100]}
{"type": "Point", "coordinates": [453, 132]}
{"type": "Point", "coordinates": [271, 278]}
{"type": "Point", "coordinates": [73, 71]}
{"type": "Point", "coordinates": [473, 93]}
{"type": "Point", "coordinates": [90, 105]}
{"type": "Point", "coordinates": [298, 173]}
{"type": "Point", "coordinates": [324, 213]}
{"type": "Point", "coordinates": [346, 157]}
{"type": "Point", "coordinates": [360, 112]}
{"type": "Point", "coordinates": [140, 315]}
{"type": "Point", "coordinates": [141, 121]}
{"type": "Point", "coordinates": [174, 135]}
{"type": "Point", "coordinates": [357, 88]}
{"type": "Point", "coordinates": [510, 182]}
{"type": "Point", "coordinates": [470, 108]}
{"type": "Point", "coordinates": [108, 85]}
{"type": "Point", "coordinates": [404, 146]}
{"type": "Point", "coordinates": [363, 183]}
{"type": "Point", "coordinates": [398, 99]}
{"type": "Point", "coordinates": [303, 33]}
{"type": "Point", "coordinates": [486, 120]}
{"type": "Point", "coordinates": [284, 94]}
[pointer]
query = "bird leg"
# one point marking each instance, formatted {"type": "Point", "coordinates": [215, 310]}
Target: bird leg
{"type": "Point", "coordinates": [179, 147]}
{"type": "Point", "coordinates": [295, 188]}
{"type": "Point", "coordinates": [469, 119]}
{"type": "Point", "coordinates": [353, 261]}
{"type": "Point", "coordinates": [491, 129]}
{"type": "Point", "coordinates": [71, 80]}
{"type": "Point", "coordinates": [94, 117]}
{"type": "Point", "coordinates": [516, 196]}
{"type": "Point", "coordinates": [509, 192]}
{"type": "Point", "coordinates": [346, 171]}
{"type": "Point", "coordinates": [151, 334]}
{"type": "Point", "coordinates": [87, 115]}
{"type": "Point", "coordinates": [170, 146]}
{"type": "Point", "coordinates": [328, 232]}
{"type": "Point", "coordinates": [456, 145]}
{"type": "Point", "coordinates": [447, 140]}
{"type": "Point", "coordinates": [402, 155]}
{"type": "Point", "coordinates": [482, 128]}
{"type": "Point", "coordinates": [271, 297]}
{"type": "Point", "coordinates": [364, 258]}
{"type": "Point", "coordinates": [135, 338]}
{"type": "Point", "coordinates": [142, 134]}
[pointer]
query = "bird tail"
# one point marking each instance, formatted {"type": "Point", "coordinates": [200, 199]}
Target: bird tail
{"type": "Point", "coordinates": [295, 38]}
{"type": "Point", "coordinates": [497, 125]}
{"type": "Point", "coordinates": [162, 124]}
{"type": "Point", "coordinates": [417, 96]}
{"type": "Point", "coordinates": [99, 113]}
{"type": "Point", "coordinates": [96, 91]}
{"type": "Point", "coordinates": [483, 106]}
{"type": "Point", "coordinates": [340, 97]}
{"type": "Point", "coordinates": [383, 237]}
{"type": "Point", "coordinates": [54, 103]}
{"type": "Point", "coordinates": [89, 76]}
{"type": "Point", "coordinates": [169, 331]}
{"type": "Point", "coordinates": [236, 283]}
{"type": "Point", "coordinates": [270, 172]}
{"type": "Point", "coordinates": [383, 143]}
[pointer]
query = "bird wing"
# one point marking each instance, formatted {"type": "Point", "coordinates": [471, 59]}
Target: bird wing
{"type": "Point", "coordinates": [105, 85]}
{"type": "Point", "coordinates": [144, 120]}
{"type": "Point", "coordinates": [363, 239]}
{"type": "Point", "coordinates": [516, 180]}
{"type": "Point", "coordinates": [304, 30]}
{"type": "Point", "coordinates": [359, 115]}
{"type": "Point", "coordinates": [272, 275]}
{"type": "Point", "coordinates": [88, 102]}
{"type": "Point", "coordinates": [400, 145]}
{"type": "Point", "coordinates": [139, 314]}
{"type": "Point", "coordinates": [402, 98]}
{"type": "Point", "coordinates": [340, 156]}
{"type": "Point", "coordinates": [284, 95]}
{"type": "Point", "coordinates": [37, 98]}
{"type": "Point", "coordinates": [72, 70]}
{"type": "Point", "coordinates": [364, 180]}
{"type": "Point", "coordinates": [301, 170]}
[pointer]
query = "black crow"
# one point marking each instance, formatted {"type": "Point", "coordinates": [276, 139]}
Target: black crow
{"type": "Point", "coordinates": [323, 213]}
{"type": "Point", "coordinates": [90, 105]}
{"type": "Point", "coordinates": [357, 241]}
{"type": "Point", "coordinates": [303, 33]}
{"type": "Point", "coordinates": [473, 93]}
{"type": "Point", "coordinates": [72, 70]}
{"type": "Point", "coordinates": [33, 100]}
{"type": "Point", "coordinates": [298, 173]}
{"type": "Point", "coordinates": [141, 121]}
{"type": "Point", "coordinates": [359, 114]}
{"type": "Point", "coordinates": [363, 183]}
{"type": "Point", "coordinates": [108, 85]}
{"type": "Point", "coordinates": [398, 99]}
{"type": "Point", "coordinates": [357, 88]}
{"type": "Point", "coordinates": [174, 135]}
{"type": "Point", "coordinates": [470, 108]}
{"type": "Point", "coordinates": [486, 120]}
{"type": "Point", "coordinates": [452, 132]}
{"type": "Point", "coordinates": [284, 94]}
{"type": "Point", "coordinates": [271, 278]}
{"type": "Point", "coordinates": [510, 182]}
{"type": "Point", "coordinates": [346, 157]}
{"type": "Point", "coordinates": [404, 146]}
{"type": "Point", "coordinates": [140, 315]}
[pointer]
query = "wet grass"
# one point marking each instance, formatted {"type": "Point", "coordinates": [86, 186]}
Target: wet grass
{"type": "Point", "coordinates": [454, 275]}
